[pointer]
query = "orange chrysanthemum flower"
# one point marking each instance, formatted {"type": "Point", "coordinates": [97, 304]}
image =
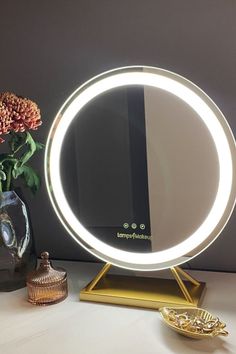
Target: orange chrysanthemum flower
{"type": "Point", "coordinates": [17, 114]}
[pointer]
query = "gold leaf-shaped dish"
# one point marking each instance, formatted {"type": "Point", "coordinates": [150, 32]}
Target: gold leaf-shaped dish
{"type": "Point", "coordinates": [193, 322]}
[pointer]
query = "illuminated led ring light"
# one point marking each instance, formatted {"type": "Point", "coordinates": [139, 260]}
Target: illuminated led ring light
{"type": "Point", "coordinates": [225, 146]}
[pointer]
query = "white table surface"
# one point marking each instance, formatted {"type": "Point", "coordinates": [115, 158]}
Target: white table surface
{"type": "Point", "coordinates": [74, 327]}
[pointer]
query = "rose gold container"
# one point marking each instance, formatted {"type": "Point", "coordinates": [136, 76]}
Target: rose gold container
{"type": "Point", "coordinates": [46, 285]}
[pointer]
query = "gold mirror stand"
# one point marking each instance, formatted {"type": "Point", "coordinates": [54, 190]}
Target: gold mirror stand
{"type": "Point", "coordinates": [144, 291]}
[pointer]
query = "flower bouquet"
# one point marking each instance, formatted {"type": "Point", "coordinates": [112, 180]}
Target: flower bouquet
{"type": "Point", "coordinates": [18, 116]}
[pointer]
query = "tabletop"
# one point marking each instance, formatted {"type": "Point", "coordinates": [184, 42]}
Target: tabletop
{"type": "Point", "coordinates": [76, 327]}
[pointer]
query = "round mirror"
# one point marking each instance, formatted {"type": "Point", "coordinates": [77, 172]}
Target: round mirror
{"type": "Point", "coordinates": [140, 168]}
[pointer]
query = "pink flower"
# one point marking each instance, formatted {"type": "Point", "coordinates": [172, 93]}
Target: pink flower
{"type": "Point", "coordinates": [17, 114]}
{"type": "Point", "coordinates": [5, 121]}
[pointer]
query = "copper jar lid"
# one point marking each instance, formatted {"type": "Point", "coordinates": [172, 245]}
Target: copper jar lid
{"type": "Point", "coordinates": [47, 285]}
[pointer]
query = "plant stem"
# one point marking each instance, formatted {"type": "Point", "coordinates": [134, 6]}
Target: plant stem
{"type": "Point", "coordinates": [0, 186]}
{"type": "Point", "coordinates": [8, 182]}
{"type": "Point", "coordinates": [20, 146]}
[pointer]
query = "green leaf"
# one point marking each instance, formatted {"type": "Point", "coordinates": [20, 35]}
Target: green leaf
{"type": "Point", "coordinates": [3, 176]}
{"type": "Point", "coordinates": [30, 177]}
{"type": "Point", "coordinates": [32, 148]}
{"type": "Point", "coordinates": [39, 146]}
{"type": "Point", "coordinates": [17, 140]}
{"type": "Point", "coordinates": [17, 171]}
{"type": "Point", "coordinates": [6, 163]}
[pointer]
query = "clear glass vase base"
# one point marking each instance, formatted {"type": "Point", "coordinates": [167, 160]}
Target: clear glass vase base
{"type": "Point", "coordinates": [17, 256]}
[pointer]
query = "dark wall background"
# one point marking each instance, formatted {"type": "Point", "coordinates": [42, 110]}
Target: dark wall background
{"type": "Point", "coordinates": [49, 48]}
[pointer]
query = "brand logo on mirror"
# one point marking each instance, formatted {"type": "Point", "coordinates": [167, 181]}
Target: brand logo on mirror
{"type": "Point", "coordinates": [133, 236]}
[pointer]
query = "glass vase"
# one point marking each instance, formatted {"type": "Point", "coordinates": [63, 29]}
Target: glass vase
{"type": "Point", "coordinates": [17, 256]}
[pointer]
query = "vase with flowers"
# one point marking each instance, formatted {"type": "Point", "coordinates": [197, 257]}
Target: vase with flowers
{"type": "Point", "coordinates": [18, 117]}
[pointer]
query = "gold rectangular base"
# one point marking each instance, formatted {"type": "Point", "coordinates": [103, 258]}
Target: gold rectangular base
{"type": "Point", "coordinates": [146, 292]}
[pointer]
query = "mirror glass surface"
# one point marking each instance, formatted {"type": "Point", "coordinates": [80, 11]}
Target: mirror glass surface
{"type": "Point", "coordinates": [140, 171]}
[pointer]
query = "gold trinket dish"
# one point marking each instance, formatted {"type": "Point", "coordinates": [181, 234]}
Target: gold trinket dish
{"type": "Point", "coordinates": [193, 322]}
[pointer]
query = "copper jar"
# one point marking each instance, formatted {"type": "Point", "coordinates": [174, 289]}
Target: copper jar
{"type": "Point", "coordinates": [47, 285]}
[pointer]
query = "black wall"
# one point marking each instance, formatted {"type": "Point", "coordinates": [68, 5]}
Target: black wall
{"type": "Point", "coordinates": [49, 48]}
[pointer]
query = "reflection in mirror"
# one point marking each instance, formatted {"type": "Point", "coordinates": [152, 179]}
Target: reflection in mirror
{"type": "Point", "coordinates": [139, 168]}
